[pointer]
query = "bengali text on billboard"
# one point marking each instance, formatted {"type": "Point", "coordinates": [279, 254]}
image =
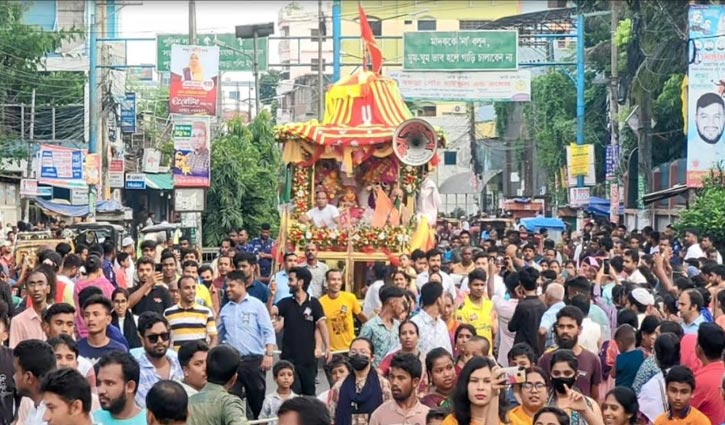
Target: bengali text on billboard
{"type": "Point", "coordinates": [194, 79]}
{"type": "Point", "coordinates": [192, 156]}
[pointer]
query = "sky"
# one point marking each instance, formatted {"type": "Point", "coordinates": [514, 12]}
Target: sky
{"type": "Point", "coordinates": [159, 17]}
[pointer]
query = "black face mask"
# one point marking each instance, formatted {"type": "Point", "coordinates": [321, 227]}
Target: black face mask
{"type": "Point", "coordinates": [359, 362]}
{"type": "Point", "coordinates": [558, 384]}
{"type": "Point", "coordinates": [207, 283]}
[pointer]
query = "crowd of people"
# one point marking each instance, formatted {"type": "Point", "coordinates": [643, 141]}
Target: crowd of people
{"type": "Point", "coordinates": [607, 326]}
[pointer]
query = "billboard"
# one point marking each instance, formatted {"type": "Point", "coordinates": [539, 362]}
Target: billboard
{"type": "Point", "coordinates": [61, 167]}
{"type": "Point", "coordinates": [492, 50]}
{"type": "Point", "coordinates": [128, 113]}
{"type": "Point", "coordinates": [706, 84]}
{"type": "Point", "coordinates": [192, 156]}
{"type": "Point", "coordinates": [194, 79]}
{"type": "Point", "coordinates": [235, 54]}
{"type": "Point", "coordinates": [464, 86]}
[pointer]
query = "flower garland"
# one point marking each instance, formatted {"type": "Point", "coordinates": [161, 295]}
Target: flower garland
{"type": "Point", "coordinates": [364, 238]}
{"type": "Point", "coordinates": [300, 191]}
{"type": "Point", "coordinates": [409, 179]}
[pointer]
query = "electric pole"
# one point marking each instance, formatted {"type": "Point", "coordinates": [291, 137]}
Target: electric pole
{"type": "Point", "coordinates": [94, 109]}
{"type": "Point", "coordinates": [321, 27]}
{"type": "Point", "coordinates": [613, 114]}
{"type": "Point", "coordinates": [192, 22]}
{"type": "Point", "coordinates": [31, 141]}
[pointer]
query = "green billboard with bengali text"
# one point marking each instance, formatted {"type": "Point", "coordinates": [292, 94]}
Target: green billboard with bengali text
{"type": "Point", "coordinates": [460, 51]}
{"type": "Point", "coordinates": [230, 59]}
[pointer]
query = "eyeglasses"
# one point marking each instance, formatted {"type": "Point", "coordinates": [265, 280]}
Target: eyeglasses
{"type": "Point", "coordinates": [154, 338]}
{"type": "Point", "coordinates": [358, 353]}
{"type": "Point", "coordinates": [528, 386]}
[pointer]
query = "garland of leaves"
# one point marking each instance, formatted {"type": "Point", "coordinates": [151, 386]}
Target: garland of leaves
{"type": "Point", "coordinates": [301, 191]}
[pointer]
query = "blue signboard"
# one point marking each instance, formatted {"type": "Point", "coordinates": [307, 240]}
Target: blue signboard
{"type": "Point", "coordinates": [128, 113]}
{"type": "Point", "coordinates": [61, 163]}
{"type": "Point", "coordinates": [135, 181]}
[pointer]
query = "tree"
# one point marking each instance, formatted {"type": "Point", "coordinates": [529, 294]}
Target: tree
{"type": "Point", "coordinates": [268, 86]}
{"type": "Point", "coordinates": [245, 164]}
{"type": "Point", "coordinates": [22, 72]}
{"type": "Point", "coordinates": [707, 213]}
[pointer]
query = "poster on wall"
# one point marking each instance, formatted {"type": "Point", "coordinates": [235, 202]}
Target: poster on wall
{"type": "Point", "coordinates": [194, 79]}
{"type": "Point", "coordinates": [192, 157]}
{"type": "Point", "coordinates": [706, 86]}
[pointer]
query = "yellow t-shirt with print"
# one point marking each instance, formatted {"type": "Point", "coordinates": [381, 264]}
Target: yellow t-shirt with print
{"type": "Point", "coordinates": [339, 315]}
{"type": "Point", "coordinates": [480, 317]}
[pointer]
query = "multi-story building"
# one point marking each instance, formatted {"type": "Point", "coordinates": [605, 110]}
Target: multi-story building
{"type": "Point", "coordinates": [301, 19]}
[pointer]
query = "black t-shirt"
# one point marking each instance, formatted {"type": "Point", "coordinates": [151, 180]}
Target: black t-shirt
{"type": "Point", "coordinates": [7, 386]}
{"type": "Point", "coordinates": [300, 321]}
{"type": "Point", "coordinates": [158, 300]}
{"type": "Point", "coordinates": [525, 322]}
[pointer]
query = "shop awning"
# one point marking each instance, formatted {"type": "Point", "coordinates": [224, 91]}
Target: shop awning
{"type": "Point", "coordinates": [77, 210]}
{"type": "Point", "coordinates": [162, 181]}
{"type": "Point", "coordinates": [676, 190]}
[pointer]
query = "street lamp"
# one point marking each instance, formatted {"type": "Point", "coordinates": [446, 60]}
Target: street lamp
{"type": "Point", "coordinates": [254, 31]}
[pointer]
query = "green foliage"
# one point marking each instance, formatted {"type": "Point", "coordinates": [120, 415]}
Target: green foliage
{"type": "Point", "coordinates": [667, 112]}
{"type": "Point", "coordinates": [622, 38]}
{"type": "Point", "coordinates": [268, 86]}
{"type": "Point", "coordinates": [707, 213]}
{"type": "Point", "coordinates": [245, 163]}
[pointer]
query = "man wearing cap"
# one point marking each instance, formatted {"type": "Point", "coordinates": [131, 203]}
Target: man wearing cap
{"type": "Point", "coordinates": [262, 248]}
{"type": "Point", "coordinates": [128, 247]}
{"type": "Point", "coordinates": [640, 301]}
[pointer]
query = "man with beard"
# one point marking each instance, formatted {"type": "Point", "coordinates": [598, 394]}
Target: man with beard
{"type": "Point", "coordinates": [262, 248]}
{"type": "Point", "coordinates": [117, 383]}
{"type": "Point", "coordinates": [150, 294]}
{"type": "Point", "coordinates": [245, 262]}
{"type": "Point", "coordinates": [404, 376]}
{"type": "Point", "coordinates": [317, 270]}
{"type": "Point", "coordinates": [435, 260]}
{"type": "Point", "coordinates": [567, 329]}
{"type": "Point", "coordinates": [156, 364]}
{"type": "Point", "coordinates": [710, 117]}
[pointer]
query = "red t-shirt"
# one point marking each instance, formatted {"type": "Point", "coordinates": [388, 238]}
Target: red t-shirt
{"type": "Point", "coordinates": [707, 398]}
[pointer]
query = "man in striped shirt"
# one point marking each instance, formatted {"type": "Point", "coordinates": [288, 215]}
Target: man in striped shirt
{"type": "Point", "coordinates": [188, 320]}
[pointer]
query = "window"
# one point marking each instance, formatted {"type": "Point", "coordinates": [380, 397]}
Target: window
{"type": "Point", "coordinates": [428, 111]}
{"type": "Point", "coordinates": [472, 25]}
{"type": "Point", "coordinates": [408, 22]}
{"type": "Point", "coordinates": [316, 62]}
{"type": "Point", "coordinates": [427, 25]}
{"type": "Point", "coordinates": [376, 25]}
{"type": "Point", "coordinates": [314, 32]}
{"type": "Point", "coordinates": [234, 95]}
{"type": "Point", "coordinates": [450, 157]}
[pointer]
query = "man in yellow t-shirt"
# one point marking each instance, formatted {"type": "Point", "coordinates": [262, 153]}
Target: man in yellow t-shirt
{"type": "Point", "coordinates": [476, 310]}
{"type": "Point", "coordinates": [340, 307]}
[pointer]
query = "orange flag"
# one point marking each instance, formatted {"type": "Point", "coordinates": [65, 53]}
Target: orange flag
{"type": "Point", "coordinates": [385, 210]}
{"type": "Point", "coordinates": [366, 33]}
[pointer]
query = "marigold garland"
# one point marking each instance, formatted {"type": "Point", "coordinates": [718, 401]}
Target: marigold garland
{"type": "Point", "coordinates": [300, 191]}
{"type": "Point", "coordinates": [364, 238]}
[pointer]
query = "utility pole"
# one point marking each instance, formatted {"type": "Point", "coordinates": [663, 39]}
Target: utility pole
{"type": "Point", "coordinates": [192, 22]}
{"type": "Point", "coordinates": [320, 63]}
{"type": "Point", "coordinates": [613, 115]}
{"type": "Point", "coordinates": [94, 109]}
{"type": "Point", "coordinates": [31, 141]}
{"type": "Point", "coordinates": [255, 64]}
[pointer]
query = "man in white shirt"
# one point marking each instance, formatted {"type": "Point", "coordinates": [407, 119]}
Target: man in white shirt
{"type": "Point", "coordinates": [693, 245]}
{"type": "Point", "coordinates": [630, 264]}
{"type": "Point", "coordinates": [431, 328]}
{"type": "Point", "coordinates": [38, 356]}
{"type": "Point", "coordinates": [707, 243]}
{"type": "Point", "coordinates": [324, 215]}
{"type": "Point", "coordinates": [372, 304]}
{"type": "Point", "coordinates": [130, 248]}
{"type": "Point", "coordinates": [435, 259]}
{"type": "Point", "coordinates": [318, 270]}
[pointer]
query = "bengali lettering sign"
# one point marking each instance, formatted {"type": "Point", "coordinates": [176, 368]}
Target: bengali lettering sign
{"type": "Point", "coordinates": [239, 59]}
{"type": "Point", "coordinates": [460, 51]}
{"type": "Point", "coordinates": [464, 86]}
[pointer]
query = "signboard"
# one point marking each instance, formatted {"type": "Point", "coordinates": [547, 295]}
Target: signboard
{"type": "Point", "coordinates": [192, 157]}
{"type": "Point", "coordinates": [705, 106]}
{"type": "Point", "coordinates": [239, 59]}
{"type": "Point", "coordinates": [578, 196]}
{"type": "Point", "coordinates": [128, 113]}
{"type": "Point", "coordinates": [189, 199]}
{"type": "Point", "coordinates": [61, 167]}
{"type": "Point", "coordinates": [194, 79]}
{"type": "Point", "coordinates": [92, 169]}
{"type": "Point", "coordinates": [135, 181]}
{"type": "Point", "coordinates": [590, 179]}
{"type": "Point", "coordinates": [28, 187]}
{"type": "Point", "coordinates": [79, 196]}
{"type": "Point", "coordinates": [464, 86]}
{"type": "Point", "coordinates": [115, 173]}
{"type": "Point", "coordinates": [151, 160]}
{"type": "Point", "coordinates": [579, 159]}
{"type": "Point", "coordinates": [614, 203]}
{"type": "Point", "coordinates": [460, 50]}
{"type": "Point", "coordinates": [612, 161]}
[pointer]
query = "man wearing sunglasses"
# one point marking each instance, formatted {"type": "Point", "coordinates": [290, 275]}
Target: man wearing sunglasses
{"type": "Point", "coordinates": [156, 363]}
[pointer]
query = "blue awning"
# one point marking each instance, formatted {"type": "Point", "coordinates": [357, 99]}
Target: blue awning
{"type": "Point", "coordinates": [600, 207]}
{"type": "Point", "coordinates": [78, 210]}
{"type": "Point", "coordinates": [534, 224]}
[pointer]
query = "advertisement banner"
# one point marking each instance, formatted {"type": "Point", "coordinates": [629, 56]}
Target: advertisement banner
{"type": "Point", "coordinates": [578, 196]}
{"type": "Point", "coordinates": [579, 162]}
{"type": "Point", "coordinates": [239, 59]}
{"type": "Point", "coordinates": [61, 167]}
{"type": "Point", "coordinates": [128, 113]}
{"type": "Point", "coordinates": [192, 157]}
{"type": "Point", "coordinates": [135, 181]}
{"type": "Point", "coordinates": [194, 79]}
{"type": "Point", "coordinates": [28, 188]}
{"type": "Point", "coordinates": [705, 105]}
{"type": "Point", "coordinates": [614, 203]}
{"type": "Point", "coordinates": [512, 86]}
{"type": "Point", "coordinates": [151, 160]}
{"type": "Point", "coordinates": [590, 179]}
{"type": "Point", "coordinates": [115, 173]}
{"type": "Point", "coordinates": [612, 161]}
{"type": "Point", "coordinates": [92, 169]}
{"type": "Point", "coordinates": [491, 50]}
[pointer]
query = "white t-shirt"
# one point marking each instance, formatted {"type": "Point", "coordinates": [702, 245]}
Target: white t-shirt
{"type": "Point", "coordinates": [372, 299]}
{"type": "Point", "coordinates": [448, 285]}
{"type": "Point", "coordinates": [590, 335]}
{"type": "Point", "coordinates": [324, 217]}
{"type": "Point", "coordinates": [694, 251]}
